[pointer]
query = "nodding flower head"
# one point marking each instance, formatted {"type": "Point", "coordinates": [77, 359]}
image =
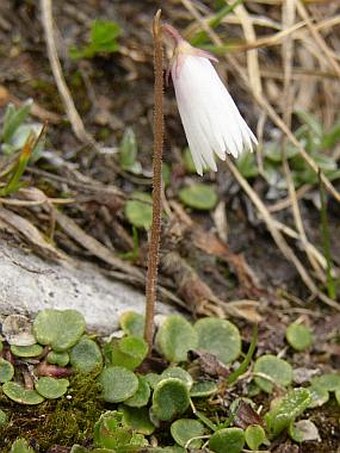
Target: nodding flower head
{"type": "Point", "coordinates": [211, 120]}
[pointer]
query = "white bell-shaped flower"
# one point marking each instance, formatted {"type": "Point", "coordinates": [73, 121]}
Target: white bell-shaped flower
{"type": "Point", "coordinates": [211, 120]}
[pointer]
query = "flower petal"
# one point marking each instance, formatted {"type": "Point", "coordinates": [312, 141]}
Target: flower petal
{"type": "Point", "coordinates": [211, 120]}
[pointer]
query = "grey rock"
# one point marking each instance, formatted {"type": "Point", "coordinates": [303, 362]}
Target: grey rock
{"type": "Point", "coordinates": [29, 284]}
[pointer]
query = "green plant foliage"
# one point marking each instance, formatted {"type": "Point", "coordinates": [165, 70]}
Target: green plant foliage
{"type": "Point", "coordinates": [21, 446]}
{"type": "Point", "coordinates": [13, 119]}
{"type": "Point", "coordinates": [138, 419]}
{"type": "Point", "coordinates": [319, 396]}
{"type": "Point", "coordinates": [299, 336]}
{"type": "Point", "coordinates": [175, 338]}
{"type": "Point", "coordinates": [132, 323]}
{"type": "Point", "coordinates": [286, 410]}
{"type": "Point", "coordinates": [3, 418]}
{"type": "Point", "coordinates": [142, 395]}
{"type": "Point", "coordinates": [61, 329]}
{"type": "Point", "coordinates": [203, 389]}
{"type": "Point", "coordinates": [170, 399]}
{"type": "Point", "coordinates": [128, 152]}
{"type": "Point", "coordinates": [304, 430]}
{"type": "Point", "coordinates": [86, 356]}
{"type": "Point", "coordinates": [179, 373]}
{"type": "Point", "coordinates": [255, 436]}
{"type": "Point", "coordinates": [111, 432]}
{"type": "Point", "coordinates": [246, 164]}
{"type": "Point", "coordinates": [229, 440]}
{"type": "Point", "coordinates": [315, 140]}
{"type": "Point", "coordinates": [58, 358]}
{"type": "Point", "coordinates": [199, 196]}
{"type": "Point", "coordinates": [27, 351]}
{"type": "Point", "coordinates": [329, 382]}
{"type": "Point", "coordinates": [128, 352]}
{"type": "Point", "coordinates": [103, 40]}
{"type": "Point", "coordinates": [153, 379]}
{"type": "Point", "coordinates": [138, 210]}
{"type": "Point", "coordinates": [278, 372]}
{"type": "Point", "coordinates": [337, 396]}
{"type": "Point", "coordinates": [185, 430]}
{"type": "Point", "coordinates": [51, 388]}
{"type": "Point", "coordinates": [118, 384]}
{"type": "Point", "coordinates": [6, 370]}
{"type": "Point", "coordinates": [21, 395]}
{"type": "Point", "coordinates": [219, 337]}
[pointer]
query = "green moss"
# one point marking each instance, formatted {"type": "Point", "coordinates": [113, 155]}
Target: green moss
{"type": "Point", "coordinates": [65, 421]}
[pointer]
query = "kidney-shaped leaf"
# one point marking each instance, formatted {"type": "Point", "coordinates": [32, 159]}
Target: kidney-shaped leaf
{"type": "Point", "coordinates": [175, 338]}
{"type": "Point", "coordinates": [118, 384]}
{"type": "Point", "coordinates": [61, 329]}
{"type": "Point", "coordinates": [170, 398]}
{"type": "Point", "coordinates": [219, 337]}
{"type": "Point", "coordinates": [275, 371]}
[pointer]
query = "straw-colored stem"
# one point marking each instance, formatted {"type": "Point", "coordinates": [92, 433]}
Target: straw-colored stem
{"type": "Point", "coordinates": [153, 256]}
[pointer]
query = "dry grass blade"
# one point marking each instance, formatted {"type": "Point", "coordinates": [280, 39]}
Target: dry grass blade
{"type": "Point", "coordinates": [94, 246]}
{"type": "Point", "coordinates": [288, 19]}
{"type": "Point", "coordinates": [30, 233]}
{"type": "Point", "coordinates": [324, 49]}
{"type": "Point", "coordinates": [71, 111]}
{"type": "Point", "coordinates": [252, 55]}
{"type": "Point", "coordinates": [262, 102]}
{"type": "Point", "coordinates": [277, 236]}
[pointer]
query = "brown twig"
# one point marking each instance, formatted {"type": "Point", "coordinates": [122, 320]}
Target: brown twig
{"type": "Point", "coordinates": [153, 256]}
{"type": "Point", "coordinates": [71, 111]}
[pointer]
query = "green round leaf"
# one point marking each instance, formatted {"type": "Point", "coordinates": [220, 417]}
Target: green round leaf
{"type": "Point", "coordinates": [185, 429]}
{"type": "Point", "coordinates": [179, 373]}
{"type": "Point", "coordinates": [199, 196]}
{"type": "Point", "coordinates": [142, 395]}
{"type": "Point", "coordinates": [319, 396]}
{"type": "Point", "coordinates": [27, 351]}
{"type": "Point", "coordinates": [138, 210]}
{"type": "Point", "coordinates": [128, 352]}
{"type": "Point", "coordinates": [137, 418]}
{"type": "Point", "coordinates": [51, 388]}
{"type": "Point", "coordinates": [299, 336]}
{"type": "Point", "coordinates": [61, 329]}
{"type": "Point", "coordinates": [255, 436]}
{"type": "Point", "coordinates": [175, 338]}
{"type": "Point", "coordinates": [203, 389]}
{"type": "Point", "coordinates": [329, 382]}
{"type": "Point", "coordinates": [6, 370]}
{"type": "Point", "coordinates": [229, 440]}
{"type": "Point", "coordinates": [85, 356]}
{"type": "Point", "coordinates": [219, 337]}
{"type": "Point", "coordinates": [118, 384]}
{"type": "Point", "coordinates": [170, 399]}
{"type": "Point", "coordinates": [278, 372]}
{"type": "Point", "coordinates": [21, 395]}
{"type": "Point", "coordinates": [132, 323]}
{"type": "Point", "coordinates": [58, 358]}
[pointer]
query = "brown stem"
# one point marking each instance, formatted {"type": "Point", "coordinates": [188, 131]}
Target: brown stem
{"type": "Point", "coordinates": [153, 256]}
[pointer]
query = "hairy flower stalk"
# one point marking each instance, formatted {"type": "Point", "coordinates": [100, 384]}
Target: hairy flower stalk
{"type": "Point", "coordinates": [211, 120]}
